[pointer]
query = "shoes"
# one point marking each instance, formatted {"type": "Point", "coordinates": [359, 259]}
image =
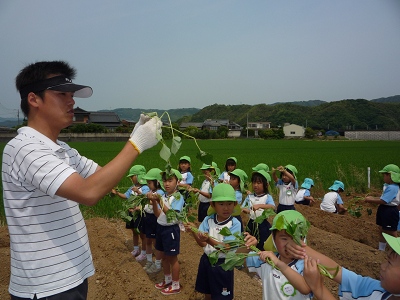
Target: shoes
{"type": "Point", "coordinates": [141, 257]}
{"type": "Point", "coordinates": [153, 269]}
{"type": "Point", "coordinates": [162, 285]}
{"type": "Point", "coordinates": [239, 267]}
{"type": "Point", "coordinates": [170, 291]}
{"type": "Point", "coordinates": [135, 252]}
{"type": "Point", "coordinates": [147, 265]}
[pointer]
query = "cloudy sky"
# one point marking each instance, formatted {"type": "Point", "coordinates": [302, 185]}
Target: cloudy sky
{"type": "Point", "coordinates": [180, 53]}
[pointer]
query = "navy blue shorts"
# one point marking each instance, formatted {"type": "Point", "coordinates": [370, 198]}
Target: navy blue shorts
{"type": "Point", "coordinates": [150, 226]}
{"type": "Point", "coordinates": [202, 211]}
{"type": "Point", "coordinates": [168, 239]}
{"type": "Point", "coordinates": [303, 202]}
{"type": "Point", "coordinates": [282, 207]}
{"type": "Point", "coordinates": [137, 223]}
{"type": "Point", "coordinates": [214, 280]}
{"type": "Point", "coordinates": [388, 217]}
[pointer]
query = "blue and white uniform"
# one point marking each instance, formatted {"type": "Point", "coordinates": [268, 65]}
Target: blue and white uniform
{"type": "Point", "coordinates": [187, 178]}
{"type": "Point", "coordinates": [287, 195]}
{"type": "Point", "coordinates": [330, 200]}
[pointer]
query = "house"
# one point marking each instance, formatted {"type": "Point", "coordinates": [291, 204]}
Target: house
{"type": "Point", "coordinates": [110, 120]}
{"type": "Point", "coordinates": [293, 130]}
{"type": "Point", "coordinates": [80, 116]}
{"type": "Point", "coordinates": [256, 126]}
{"type": "Point", "coordinates": [198, 125]}
{"type": "Point", "coordinates": [234, 129]}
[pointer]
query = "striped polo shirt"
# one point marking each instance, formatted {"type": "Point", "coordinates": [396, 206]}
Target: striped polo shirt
{"type": "Point", "coordinates": [49, 244]}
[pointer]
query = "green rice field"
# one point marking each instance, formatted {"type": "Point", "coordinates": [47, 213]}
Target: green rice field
{"type": "Point", "coordinates": [323, 161]}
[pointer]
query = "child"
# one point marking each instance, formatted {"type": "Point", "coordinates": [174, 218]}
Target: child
{"type": "Point", "coordinates": [139, 186]}
{"type": "Point", "coordinates": [187, 176]}
{"type": "Point", "coordinates": [303, 196]}
{"type": "Point", "coordinates": [332, 202]}
{"type": "Point", "coordinates": [168, 232]}
{"type": "Point", "coordinates": [287, 185]}
{"type": "Point", "coordinates": [387, 216]}
{"type": "Point", "coordinates": [237, 180]}
{"type": "Point", "coordinates": [205, 192]}
{"type": "Point", "coordinates": [154, 181]}
{"type": "Point", "coordinates": [213, 281]}
{"type": "Point", "coordinates": [256, 203]}
{"type": "Point", "coordinates": [230, 165]}
{"type": "Point", "coordinates": [352, 285]}
{"type": "Point", "coordinates": [284, 279]}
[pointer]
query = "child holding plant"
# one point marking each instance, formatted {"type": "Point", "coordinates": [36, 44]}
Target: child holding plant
{"type": "Point", "coordinates": [387, 216]}
{"type": "Point", "coordinates": [282, 274]}
{"type": "Point", "coordinates": [255, 204]}
{"type": "Point", "coordinates": [230, 165]}
{"type": "Point", "coordinates": [205, 192]}
{"type": "Point", "coordinates": [139, 187]}
{"type": "Point", "coordinates": [237, 180]}
{"type": "Point", "coordinates": [213, 280]}
{"type": "Point", "coordinates": [168, 231]}
{"type": "Point", "coordinates": [303, 196]}
{"type": "Point", "coordinates": [187, 176]}
{"type": "Point", "coordinates": [287, 185]}
{"type": "Point", "coordinates": [332, 202]}
{"type": "Point", "coordinates": [154, 180]}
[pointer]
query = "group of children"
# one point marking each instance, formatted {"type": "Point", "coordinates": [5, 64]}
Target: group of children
{"type": "Point", "coordinates": [284, 267]}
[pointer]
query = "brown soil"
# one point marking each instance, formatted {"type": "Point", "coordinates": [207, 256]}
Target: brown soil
{"type": "Point", "coordinates": [350, 241]}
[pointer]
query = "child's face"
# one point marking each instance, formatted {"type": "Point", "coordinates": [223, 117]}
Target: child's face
{"type": "Point", "coordinates": [151, 185]}
{"type": "Point", "coordinates": [390, 273]}
{"type": "Point", "coordinates": [285, 178]}
{"type": "Point", "coordinates": [224, 209]}
{"type": "Point", "coordinates": [387, 178]}
{"type": "Point", "coordinates": [170, 184]}
{"type": "Point", "coordinates": [184, 165]}
{"type": "Point", "coordinates": [234, 181]}
{"type": "Point", "coordinates": [134, 179]}
{"type": "Point", "coordinates": [231, 167]}
{"type": "Point", "coordinates": [258, 187]}
{"type": "Point", "coordinates": [281, 239]}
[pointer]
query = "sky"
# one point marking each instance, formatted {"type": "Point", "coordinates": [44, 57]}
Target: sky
{"type": "Point", "coordinates": [181, 53]}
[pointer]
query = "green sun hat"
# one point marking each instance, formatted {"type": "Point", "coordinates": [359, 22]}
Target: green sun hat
{"type": "Point", "coordinates": [206, 167]}
{"type": "Point", "coordinates": [264, 174]}
{"type": "Point", "coordinates": [224, 192]}
{"type": "Point", "coordinates": [217, 170]}
{"type": "Point", "coordinates": [336, 185]}
{"type": "Point", "coordinates": [173, 171]}
{"type": "Point", "coordinates": [242, 176]}
{"type": "Point", "coordinates": [394, 171]}
{"type": "Point", "coordinates": [292, 169]}
{"type": "Point", "coordinates": [394, 242]}
{"type": "Point", "coordinates": [137, 170]}
{"type": "Point", "coordinates": [187, 158]}
{"type": "Point", "coordinates": [232, 158]}
{"type": "Point", "coordinates": [153, 174]}
{"type": "Point", "coordinates": [261, 166]}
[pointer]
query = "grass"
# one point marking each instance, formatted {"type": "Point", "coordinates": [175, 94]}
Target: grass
{"type": "Point", "coordinates": [323, 161]}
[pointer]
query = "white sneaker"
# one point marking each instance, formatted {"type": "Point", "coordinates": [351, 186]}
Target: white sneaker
{"type": "Point", "coordinates": [141, 257]}
{"type": "Point", "coordinates": [135, 252]}
{"type": "Point", "coordinates": [147, 265]}
{"type": "Point", "coordinates": [153, 269]}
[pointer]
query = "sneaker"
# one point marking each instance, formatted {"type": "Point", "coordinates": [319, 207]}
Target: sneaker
{"type": "Point", "coordinates": [162, 285]}
{"type": "Point", "coordinates": [153, 269]}
{"type": "Point", "coordinates": [141, 257]}
{"type": "Point", "coordinates": [147, 265]}
{"type": "Point", "coordinates": [135, 252]}
{"type": "Point", "coordinates": [170, 291]}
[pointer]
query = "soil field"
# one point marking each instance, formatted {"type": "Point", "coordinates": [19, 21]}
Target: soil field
{"type": "Point", "coordinates": [350, 241]}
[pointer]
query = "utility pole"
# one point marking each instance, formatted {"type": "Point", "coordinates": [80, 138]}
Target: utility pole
{"type": "Point", "coordinates": [247, 125]}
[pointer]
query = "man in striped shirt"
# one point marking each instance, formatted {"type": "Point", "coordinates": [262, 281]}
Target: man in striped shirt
{"type": "Point", "coordinates": [44, 181]}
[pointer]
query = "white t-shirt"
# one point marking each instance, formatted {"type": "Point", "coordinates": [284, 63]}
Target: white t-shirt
{"type": "Point", "coordinates": [49, 244]}
{"type": "Point", "coordinates": [287, 192]}
{"type": "Point", "coordinates": [329, 201]}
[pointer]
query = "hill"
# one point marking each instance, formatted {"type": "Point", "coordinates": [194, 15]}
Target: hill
{"type": "Point", "coordinates": [134, 113]}
{"type": "Point", "coordinates": [392, 99]}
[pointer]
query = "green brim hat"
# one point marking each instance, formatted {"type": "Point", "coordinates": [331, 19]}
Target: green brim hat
{"type": "Point", "coordinates": [141, 180]}
{"type": "Point", "coordinates": [232, 158]}
{"type": "Point", "coordinates": [336, 185]}
{"type": "Point", "coordinates": [394, 171]}
{"type": "Point", "coordinates": [261, 166]}
{"type": "Point", "coordinates": [224, 192]}
{"type": "Point", "coordinates": [264, 174]}
{"type": "Point", "coordinates": [217, 170]}
{"type": "Point", "coordinates": [172, 173]}
{"type": "Point", "coordinates": [242, 176]}
{"type": "Point", "coordinates": [394, 242]}
{"type": "Point", "coordinates": [153, 174]}
{"type": "Point", "coordinates": [187, 158]}
{"type": "Point", "coordinates": [293, 170]}
{"type": "Point", "coordinates": [137, 170]}
{"type": "Point", "coordinates": [206, 167]}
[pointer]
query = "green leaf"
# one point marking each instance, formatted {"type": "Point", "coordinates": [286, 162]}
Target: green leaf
{"type": "Point", "coordinates": [205, 157]}
{"type": "Point", "coordinates": [213, 257]}
{"type": "Point", "coordinates": [176, 144]}
{"type": "Point", "coordinates": [232, 260]}
{"type": "Point", "coordinates": [165, 153]}
{"type": "Point", "coordinates": [225, 231]}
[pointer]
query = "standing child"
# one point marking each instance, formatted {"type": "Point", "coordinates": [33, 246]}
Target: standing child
{"type": "Point", "coordinates": [230, 165]}
{"type": "Point", "coordinates": [287, 185]}
{"type": "Point", "coordinates": [303, 196]}
{"type": "Point", "coordinates": [332, 202]}
{"type": "Point", "coordinates": [187, 176]}
{"type": "Point", "coordinates": [237, 180]}
{"type": "Point", "coordinates": [282, 275]}
{"type": "Point", "coordinates": [256, 203]}
{"type": "Point", "coordinates": [154, 181]}
{"type": "Point", "coordinates": [387, 216]}
{"type": "Point", "coordinates": [168, 232]}
{"type": "Point", "coordinates": [139, 187]}
{"type": "Point", "coordinates": [205, 192]}
{"type": "Point", "coordinates": [213, 281]}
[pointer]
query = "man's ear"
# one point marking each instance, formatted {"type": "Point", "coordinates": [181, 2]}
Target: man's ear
{"type": "Point", "coordinates": [33, 99]}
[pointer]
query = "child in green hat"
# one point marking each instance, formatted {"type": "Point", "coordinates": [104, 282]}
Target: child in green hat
{"type": "Point", "coordinates": [287, 185]}
{"type": "Point", "coordinates": [230, 165]}
{"type": "Point", "coordinates": [387, 216]}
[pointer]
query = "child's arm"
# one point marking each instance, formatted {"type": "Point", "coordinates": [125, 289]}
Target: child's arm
{"type": "Point", "coordinates": [155, 200]}
{"type": "Point", "coordinates": [199, 236]}
{"type": "Point", "coordinates": [263, 206]}
{"type": "Point", "coordinates": [376, 200]}
{"type": "Point", "coordinates": [315, 280]}
{"type": "Point", "coordinates": [341, 209]}
{"type": "Point", "coordinates": [290, 176]}
{"type": "Point", "coordinates": [296, 279]}
{"type": "Point", "coordinates": [274, 177]}
{"type": "Point", "coordinates": [310, 198]}
{"type": "Point", "coordinates": [115, 192]}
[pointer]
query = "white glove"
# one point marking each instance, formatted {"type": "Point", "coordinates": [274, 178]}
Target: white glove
{"type": "Point", "coordinates": [144, 136]}
{"type": "Point", "coordinates": [143, 119]}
